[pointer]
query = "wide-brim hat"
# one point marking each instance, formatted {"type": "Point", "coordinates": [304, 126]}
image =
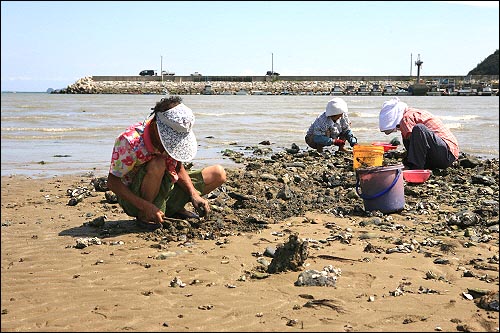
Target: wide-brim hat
{"type": "Point", "coordinates": [175, 127]}
{"type": "Point", "coordinates": [336, 106]}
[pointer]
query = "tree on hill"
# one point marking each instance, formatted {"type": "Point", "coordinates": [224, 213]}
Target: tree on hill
{"type": "Point", "coordinates": [488, 66]}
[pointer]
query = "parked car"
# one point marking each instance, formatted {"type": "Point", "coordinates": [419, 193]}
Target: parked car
{"type": "Point", "coordinates": [147, 72]}
{"type": "Point", "coordinates": [270, 73]}
{"type": "Point", "coordinates": [196, 74]}
{"type": "Point", "coordinates": [167, 73]}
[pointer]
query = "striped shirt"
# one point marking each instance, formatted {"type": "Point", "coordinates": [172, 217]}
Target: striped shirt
{"type": "Point", "coordinates": [412, 116]}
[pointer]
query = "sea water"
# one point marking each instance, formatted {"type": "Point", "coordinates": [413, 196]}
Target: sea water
{"type": "Point", "coordinates": [45, 135]}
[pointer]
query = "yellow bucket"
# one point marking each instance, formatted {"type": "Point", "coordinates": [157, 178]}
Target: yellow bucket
{"type": "Point", "coordinates": [367, 156]}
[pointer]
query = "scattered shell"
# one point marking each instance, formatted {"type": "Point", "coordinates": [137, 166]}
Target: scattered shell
{"type": "Point", "coordinates": [176, 282]}
{"type": "Point", "coordinates": [467, 296]}
{"type": "Point", "coordinates": [326, 277]}
{"type": "Point", "coordinates": [84, 242]}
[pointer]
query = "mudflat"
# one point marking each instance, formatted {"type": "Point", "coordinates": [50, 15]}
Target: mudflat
{"type": "Point", "coordinates": [87, 266]}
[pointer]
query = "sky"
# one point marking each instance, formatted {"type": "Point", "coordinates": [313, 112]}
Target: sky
{"type": "Point", "coordinates": [52, 44]}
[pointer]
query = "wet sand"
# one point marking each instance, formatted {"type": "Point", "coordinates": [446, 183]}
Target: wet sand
{"type": "Point", "coordinates": [407, 271]}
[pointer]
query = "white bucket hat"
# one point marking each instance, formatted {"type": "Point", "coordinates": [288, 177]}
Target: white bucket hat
{"type": "Point", "coordinates": [336, 106]}
{"type": "Point", "coordinates": [175, 127]}
{"type": "Point", "coordinates": [391, 114]}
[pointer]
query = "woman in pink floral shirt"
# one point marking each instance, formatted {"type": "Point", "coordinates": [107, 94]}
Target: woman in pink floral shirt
{"type": "Point", "coordinates": [147, 173]}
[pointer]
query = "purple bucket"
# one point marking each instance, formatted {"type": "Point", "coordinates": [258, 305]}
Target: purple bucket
{"type": "Point", "coordinates": [382, 188]}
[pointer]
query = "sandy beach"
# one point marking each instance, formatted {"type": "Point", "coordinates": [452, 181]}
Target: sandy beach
{"type": "Point", "coordinates": [89, 267]}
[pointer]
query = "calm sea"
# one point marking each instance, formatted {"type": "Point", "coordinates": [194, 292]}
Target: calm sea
{"type": "Point", "coordinates": [45, 135]}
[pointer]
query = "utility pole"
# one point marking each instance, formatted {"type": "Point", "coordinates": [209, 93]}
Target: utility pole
{"type": "Point", "coordinates": [411, 62]}
{"type": "Point", "coordinates": [272, 63]}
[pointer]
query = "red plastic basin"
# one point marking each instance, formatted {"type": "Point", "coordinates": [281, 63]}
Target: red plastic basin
{"type": "Point", "coordinates": [416, 176]}
{"type": "Point", "coordinates": [387, 146]}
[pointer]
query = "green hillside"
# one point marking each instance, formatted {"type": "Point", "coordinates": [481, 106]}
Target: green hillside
{"type": "Point", "coordinates": [488, 66]}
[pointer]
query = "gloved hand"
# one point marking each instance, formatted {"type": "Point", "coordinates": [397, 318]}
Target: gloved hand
{"type": "Point", "coordinates": [339, 142]}
{"type": "Point", "coordinates": [395, 141]}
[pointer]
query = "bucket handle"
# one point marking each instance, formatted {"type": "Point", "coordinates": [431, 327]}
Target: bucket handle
{"type": "Point", "coordinates": [398, 173]}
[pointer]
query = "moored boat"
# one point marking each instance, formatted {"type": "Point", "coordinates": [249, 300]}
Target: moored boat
{"type": "Point", "coordinates": [207, 90]}
{"type": "Point", "coordinates": [466, 90]}
{"type": "Point", "coordinates": [388, 90]}
{"type": "Point", "coordinates": [337, 90]}
{"type": "Point", "coordinates": [350, 90]}
{"type": "Point", "coordinates": [363, 90]}
{"type": "Point", "coordinates": [486, 91]}
{"type": "Point", "coordinates": [376, 91]}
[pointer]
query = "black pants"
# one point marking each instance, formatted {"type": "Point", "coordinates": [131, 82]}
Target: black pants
{"type": "Point", "coordinates": [426, 150]}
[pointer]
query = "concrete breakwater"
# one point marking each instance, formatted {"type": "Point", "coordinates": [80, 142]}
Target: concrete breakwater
{"type": "Point", "coordinates": [88, 85]}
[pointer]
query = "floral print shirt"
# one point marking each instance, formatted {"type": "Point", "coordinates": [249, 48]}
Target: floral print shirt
{"type": "Point", "coordinates": [133, 148]}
